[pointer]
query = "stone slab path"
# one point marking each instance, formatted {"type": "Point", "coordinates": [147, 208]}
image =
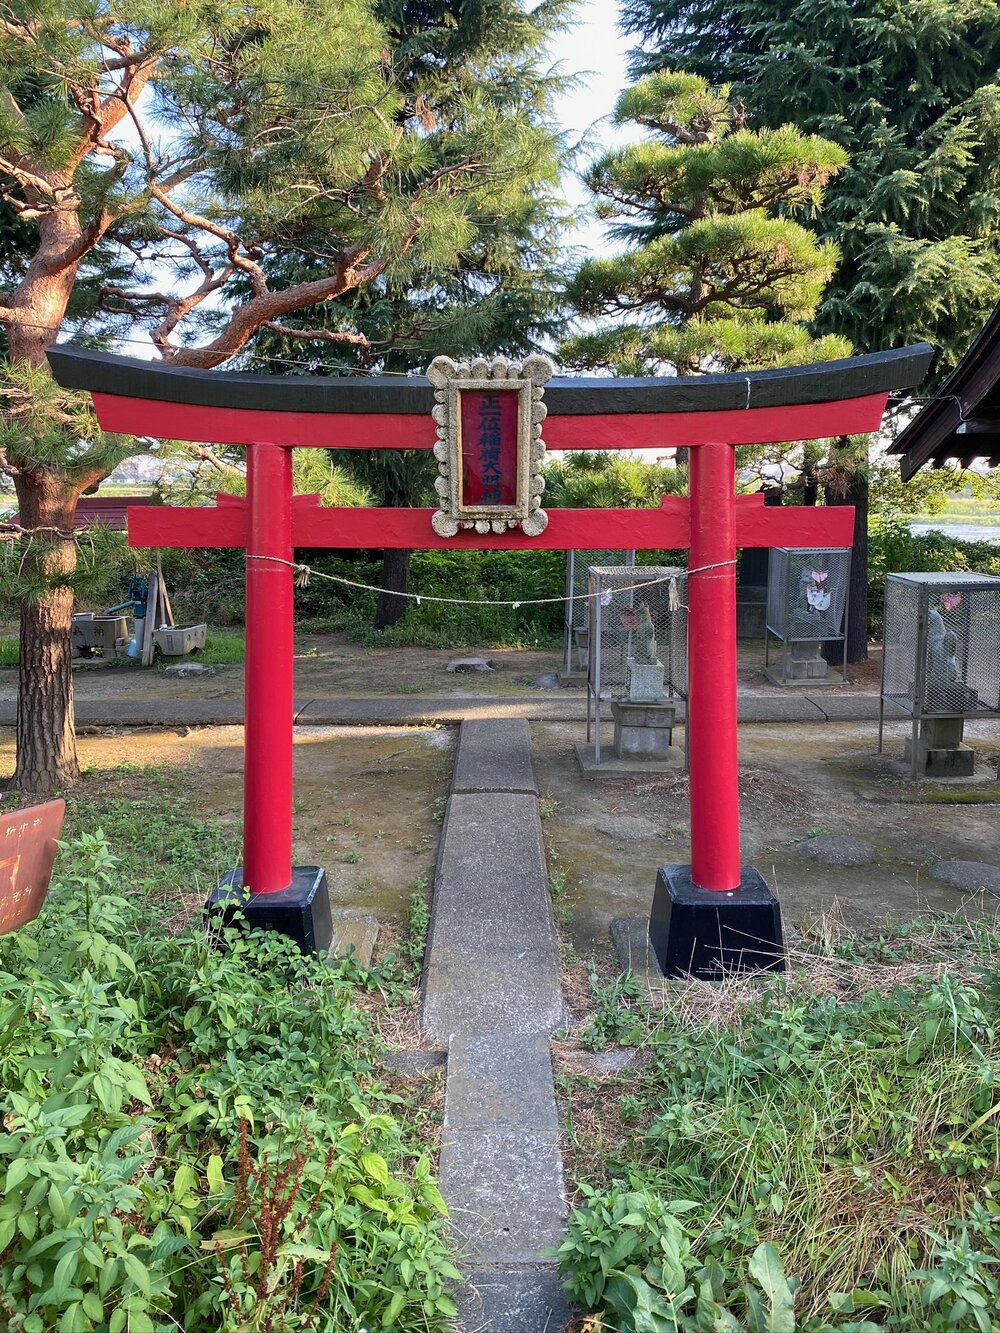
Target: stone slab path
{"type": "Point", "coordinates": [492, 992]}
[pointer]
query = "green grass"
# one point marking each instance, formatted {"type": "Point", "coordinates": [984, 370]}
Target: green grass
{"type": "Point", "coordinates": [223, 647]}
{"type": "Point", "coordinates": [202, 1110]}
{"type": "Point", "coordinates": [832, 1136]}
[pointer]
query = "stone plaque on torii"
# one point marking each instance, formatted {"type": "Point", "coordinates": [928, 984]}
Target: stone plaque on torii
{"type": "Point", "coordinates": [712, 912]}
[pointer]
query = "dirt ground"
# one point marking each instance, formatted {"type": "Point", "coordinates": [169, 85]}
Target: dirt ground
{"type": "Point", "coordinates": [333, 664]}
{"type": "Point", "coordinates": [368, 803]}
{"type": "Point", "coordinates": [368, 799]}
{"type": "Point", "coordinates": [366, 806]}
{"type": "Point", "coordinates": [797, 780]}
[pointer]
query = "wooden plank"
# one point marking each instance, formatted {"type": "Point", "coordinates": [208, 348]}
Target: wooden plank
{"type": "Point", "coordinates": [828, 381]}
{"type": "Point", "coordinates": [152, 608]}
{"type": "Point", "coordinates": [662, 430]}
{"type": "Point", "coordinates": [168, 613]}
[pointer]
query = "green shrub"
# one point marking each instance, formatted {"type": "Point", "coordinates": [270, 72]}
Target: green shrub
{"type": "Point", "coordinates": [892, 548]}
{"type": "Point", "coordinates": [194, 1137]}
{"type": "Point", "coordinates": [848, 1139]}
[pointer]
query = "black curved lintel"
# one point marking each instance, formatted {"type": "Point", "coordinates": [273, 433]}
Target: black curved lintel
{"type": "Point", "coordinates": [825, 382]}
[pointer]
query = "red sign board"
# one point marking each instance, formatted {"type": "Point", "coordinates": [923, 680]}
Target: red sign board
{"type": "Point", "coordinates": [489, 448]}
{"type": "Point", "coordinates": [27, 852]}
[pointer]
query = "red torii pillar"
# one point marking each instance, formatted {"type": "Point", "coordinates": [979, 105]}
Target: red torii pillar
{"type": "Point", "coordinates": [709, 913]}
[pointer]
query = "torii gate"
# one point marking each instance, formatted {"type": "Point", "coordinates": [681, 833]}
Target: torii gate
{"type": "Point", "coordinates": [715, 901]}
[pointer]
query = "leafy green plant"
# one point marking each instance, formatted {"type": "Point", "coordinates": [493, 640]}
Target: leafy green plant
{"type": "Point", "coordinates": [418, 917]}
{"type": "Point", "coordinates": [629, 1254]}
{"type": "Point", "coordinates": [194, 1135]}
{"type": "Point", "coordinates": [615, 1017]}
{"type": "Point", "coordinates": [846, 1118]}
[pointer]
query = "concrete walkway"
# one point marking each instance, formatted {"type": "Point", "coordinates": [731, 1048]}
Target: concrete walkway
{"type": "Point", "coordinates": [492, 992]}
{"type": "Point", "coordinates": [421, 710]}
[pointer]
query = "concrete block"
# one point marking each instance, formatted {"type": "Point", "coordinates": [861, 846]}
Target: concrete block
{"type": "Point", "coordinates": [612, 765]}
{"type": "Point", "coordinates": [526, 1299]}
{"type": "Point", "coordinates": [354, 933]}
{"type": "Point", "coordinates": [643, 730]}
{"type": "Point", "coordinates": [494, 755]}
{"type": "Point", "coordinates": [505, 1194]}
{"type": "Point", "coordinates": [957, 761]}
{"type": "Point", "coordinates": [497, 1080]}
{"type": "Point", "coordinates": [492, 961]}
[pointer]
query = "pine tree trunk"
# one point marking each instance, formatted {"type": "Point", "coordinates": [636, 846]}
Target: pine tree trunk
{"type": "Point", "coordinates": [46, 744]}
{"type": "Point", "coordinates": [857, 592]}
{"type": "Point", "coordinates": [395, 577]}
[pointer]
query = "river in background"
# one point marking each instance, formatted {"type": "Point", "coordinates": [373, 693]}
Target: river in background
{"type": "Point", "coordinates": [966, 532]}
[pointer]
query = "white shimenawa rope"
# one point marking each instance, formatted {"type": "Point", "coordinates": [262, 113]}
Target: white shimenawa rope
{"type": "Point", "coordinates": [303, 573]}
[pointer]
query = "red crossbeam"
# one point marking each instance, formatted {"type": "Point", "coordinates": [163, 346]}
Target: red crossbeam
{"type": "Point", "coordinates": [665, 529]}
{"type": "Point", "coordinates": [345, 430]}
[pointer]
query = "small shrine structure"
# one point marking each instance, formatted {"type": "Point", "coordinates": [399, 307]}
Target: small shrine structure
{"type": "Point", "coordinates": [713, 913]}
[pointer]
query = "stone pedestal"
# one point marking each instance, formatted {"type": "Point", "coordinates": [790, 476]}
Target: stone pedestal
{"type": "Point", "coordinates": [751, 612]}
{"type": "Point", "coordinates": [941, 752]}
{"type": "Point", "coordinates": [803, 663]}
{"type": "Point", "coordinates": [581, 642]}
{"type": "Point", "coordinates": [643, 730]}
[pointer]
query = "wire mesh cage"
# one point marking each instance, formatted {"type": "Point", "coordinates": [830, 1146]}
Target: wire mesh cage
{"type": "Point", "coordinates": [941, 651]}
{"type": "Point", "coordinates": [806, 607]}
{"type": "Point", "coordinates": [637, 647]}
{"type": "Point", "coordinates": [577, 621]}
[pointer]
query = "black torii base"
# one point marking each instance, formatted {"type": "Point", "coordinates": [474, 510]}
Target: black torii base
{"type": "Point", "coordinates": [302, 911]}
{"type": "Point", "coordinates": [702, 933]}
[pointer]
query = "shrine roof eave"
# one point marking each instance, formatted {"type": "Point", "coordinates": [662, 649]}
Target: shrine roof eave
{"type": "Point", "coordinates": [962, 420]}
{"type": "Point", "coordinates": [830, 381]}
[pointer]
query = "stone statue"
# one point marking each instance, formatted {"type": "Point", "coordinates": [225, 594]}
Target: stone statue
{"type": "Point", "coordinates": [814, 596]}
{"type": "Point", "coordinates": [642, 634]}
{"type": "Point", "coordinates": [942, 644]}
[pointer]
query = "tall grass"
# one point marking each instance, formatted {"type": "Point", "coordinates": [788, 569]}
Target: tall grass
{"type": "Point", "coordinates": [846, 1117]}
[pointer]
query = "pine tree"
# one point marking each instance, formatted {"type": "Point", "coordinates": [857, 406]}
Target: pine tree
{"type": "Point", "coordinates": [504, 292]}
{"type": "Point", "coordinates": [718, 273]}
{"type": "Point", "coordinates": [909, 88]}
{"type": "Point", "coordinates": [161, 157]}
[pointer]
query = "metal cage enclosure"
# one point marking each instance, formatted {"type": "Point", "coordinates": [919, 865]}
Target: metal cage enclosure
{"type": "Point", "coordinates": [941, 647]}
{"type": "Point", "coordinates": [577, 620]}
{"type": "Point", "coordinates": [638, 637]}
{"type": "Point", "coordinates": [806, 605]}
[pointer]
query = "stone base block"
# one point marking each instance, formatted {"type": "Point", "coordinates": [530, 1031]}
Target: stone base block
{"type": "Point", "coordinates": [701, 933]}
{"type": "Point", "coordinates": [941, 752]}
{"type": "Point", "coordinates": [751, 612]}
{"type": "Point", "coordinates": [958, 761]}
{"type": "Point", "coordinates": [302, 911]}
{"type": "Point", "coordinates": [611, 766]}
{"type": "Point", "coordinates": [801, 662]}
{"type": "Point", "coordinates": [643, 730]}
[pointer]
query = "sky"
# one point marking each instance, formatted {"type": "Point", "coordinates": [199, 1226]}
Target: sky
{"type": "Point", "coordinates": [594, 50]}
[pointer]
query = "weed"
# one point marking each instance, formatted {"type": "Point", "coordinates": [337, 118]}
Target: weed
{"type": "Point", "coordinates": [418, 917]}
{"type": "Point", "coordinates": [163, 1099]}
{"type": "Point", "coordinates": [547, 806]}
{"type": "Point", "coordinates": [351, 858]}
{"type": "Point", "coordinates": [557, 881]}
{"type": "Point", "coordinates": [616, 1017]}
{"type": "Point", "coordinates": [840, 1125]}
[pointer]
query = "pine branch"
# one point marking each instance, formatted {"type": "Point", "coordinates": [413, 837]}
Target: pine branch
{"type": "Point", "coordinates": [317, 335]}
